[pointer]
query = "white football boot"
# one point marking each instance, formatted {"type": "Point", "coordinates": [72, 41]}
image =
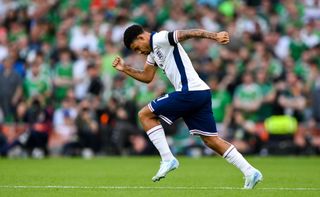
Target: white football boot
{"type": "Point", "coordinates": [165, 168]}
{"type": "Point", "coordinates": [253, 179]}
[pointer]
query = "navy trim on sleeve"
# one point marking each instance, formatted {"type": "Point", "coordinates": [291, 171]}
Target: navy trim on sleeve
{"type": "Point", "coordinates": [151, 41]}
{"type": "Point", "coordinates": [171, 39]}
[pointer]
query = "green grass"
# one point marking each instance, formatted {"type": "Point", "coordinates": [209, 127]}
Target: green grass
{"type": "Point", "coordinates": [195, 177]}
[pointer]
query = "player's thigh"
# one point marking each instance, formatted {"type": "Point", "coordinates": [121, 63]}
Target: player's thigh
{"type": "Point", "coordinates": [170, 106]}
{"type": "Point", "coordinates": [201, 121]}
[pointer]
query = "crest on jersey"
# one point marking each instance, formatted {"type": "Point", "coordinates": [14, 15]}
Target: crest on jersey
{"type": "Point", "coordinates": [159, 54]}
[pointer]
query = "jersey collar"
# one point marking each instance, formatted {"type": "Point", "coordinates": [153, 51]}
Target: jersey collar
{"type": "Point", "coordinates": [151, 40]}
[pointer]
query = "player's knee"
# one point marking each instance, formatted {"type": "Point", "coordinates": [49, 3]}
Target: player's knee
{"type": "Point", "coordinates": [143, 114]}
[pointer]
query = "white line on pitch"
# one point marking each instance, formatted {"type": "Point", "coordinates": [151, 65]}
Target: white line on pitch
{"type": "Point", "coordinates": [146, 187]}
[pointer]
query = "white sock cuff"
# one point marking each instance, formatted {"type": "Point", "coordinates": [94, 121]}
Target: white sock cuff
{"type": "Point", "coordinates": [154, 129]}
{"type": "Point", "coordinates": [225, 154]}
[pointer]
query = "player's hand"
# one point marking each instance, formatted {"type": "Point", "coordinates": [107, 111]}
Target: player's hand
{"type": "Point", "coordinates": [118, 64]}
{"type": "Point", "coordinates": [223, 37]}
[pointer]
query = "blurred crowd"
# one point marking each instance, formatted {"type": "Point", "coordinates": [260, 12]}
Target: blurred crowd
{"type": "Point", "coordinates": [60, 95]}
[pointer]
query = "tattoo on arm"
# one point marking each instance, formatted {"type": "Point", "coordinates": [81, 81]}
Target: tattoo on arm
{"type": "Point", "coordinates": [195, 33]}
{"type": "Point", "coordinates": [135, 73]}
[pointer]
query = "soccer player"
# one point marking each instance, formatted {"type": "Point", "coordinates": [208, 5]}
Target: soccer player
{"type": "Point", "coordinates": [191, 99]}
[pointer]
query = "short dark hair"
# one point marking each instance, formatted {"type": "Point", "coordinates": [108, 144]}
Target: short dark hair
{"type": "Point", "coordinates": [131, 34]}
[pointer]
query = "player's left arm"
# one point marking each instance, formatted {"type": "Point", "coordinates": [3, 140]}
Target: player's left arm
{"type": "Point", "coordinates": [221, 37]}
{"type": "Point", "coordinates": [146, 75]}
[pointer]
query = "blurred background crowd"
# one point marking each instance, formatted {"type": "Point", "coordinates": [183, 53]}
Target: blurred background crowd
{"type": "Point", "coordinates": [59, 94]}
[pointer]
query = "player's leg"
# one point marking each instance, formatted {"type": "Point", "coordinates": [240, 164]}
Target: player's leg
{"type": "Point", "coordinates": [217, 144]}
{"type": "Point", "coordinates": [231, 154]}
{"type": "Point", "coordinates": [169, 108]}
{"type": "Point", "coordinates": [202, 123]}
{"type": "Point", "coordinates": [151, 124]}
{"type": "Point", "coordinates": [155, 132]}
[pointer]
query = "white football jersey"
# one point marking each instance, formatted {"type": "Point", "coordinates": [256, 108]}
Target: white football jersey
{"type": "Point", "coordinates": [170, 56]}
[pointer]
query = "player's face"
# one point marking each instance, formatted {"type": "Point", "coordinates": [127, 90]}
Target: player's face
{"type": "Point", "coordinates": [141, 45]}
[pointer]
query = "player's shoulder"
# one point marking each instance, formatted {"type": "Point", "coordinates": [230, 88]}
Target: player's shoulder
{"type": "Point", "coordinates": [161, 35]}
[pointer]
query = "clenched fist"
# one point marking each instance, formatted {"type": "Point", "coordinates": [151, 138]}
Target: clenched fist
{"type": "Point", "coordinates": [223, 37]}
{"type": "Point", "coordinates": [118, 64]}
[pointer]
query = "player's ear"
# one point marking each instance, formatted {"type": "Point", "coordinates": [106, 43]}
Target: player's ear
{"type": "Point", "coordinates": [140, 37]}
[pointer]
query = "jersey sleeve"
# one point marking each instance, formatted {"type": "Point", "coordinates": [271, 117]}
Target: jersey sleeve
{"type": "Point", "coordinates": [165, 38]}
{"type": "Point", "coordinates": [150, 60]}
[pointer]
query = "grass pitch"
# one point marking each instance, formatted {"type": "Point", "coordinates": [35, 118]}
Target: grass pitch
{"type": "Point", "coordinates": [131, 176]}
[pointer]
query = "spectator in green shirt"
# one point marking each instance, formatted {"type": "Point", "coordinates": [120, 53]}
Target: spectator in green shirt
{"type": "Point", "coordinates": [248, 97]}
{"type": "Point", "coordinates": [268, 93]}
{"type": "Point", "coordinates": [36, 85]}
{"type": "Point", "coordinates": [63, 76]}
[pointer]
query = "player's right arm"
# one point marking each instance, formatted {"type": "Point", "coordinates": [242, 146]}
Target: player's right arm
{"type": "Point", "coordinates": [220, 37]}
{"type": "Point", "coordinates": [146, 75]}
